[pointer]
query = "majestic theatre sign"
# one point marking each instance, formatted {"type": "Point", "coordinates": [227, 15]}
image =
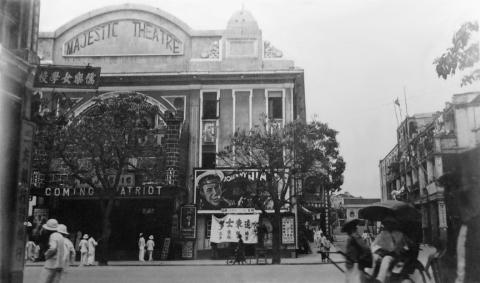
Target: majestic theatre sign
{"type": "Point", "coordinates": [125, 37]}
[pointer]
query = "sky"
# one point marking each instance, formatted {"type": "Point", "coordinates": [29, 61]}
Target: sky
{"type": "Point", "coordinates": [358, 57]}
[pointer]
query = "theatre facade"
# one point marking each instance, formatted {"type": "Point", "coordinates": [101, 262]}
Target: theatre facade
{"type": "Point", "coordinates": [207, 84]}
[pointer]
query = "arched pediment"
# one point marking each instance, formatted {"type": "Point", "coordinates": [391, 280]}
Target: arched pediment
{"type": "Point", "coordinates": [124, 30]}
{"type": "Point", "coordinates": [163, 105]}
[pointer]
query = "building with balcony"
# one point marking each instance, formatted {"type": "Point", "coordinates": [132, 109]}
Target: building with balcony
{"type": "Point", "coordinates": [207, 84]}
{"type": "Point", "coordinates": [425, 166]}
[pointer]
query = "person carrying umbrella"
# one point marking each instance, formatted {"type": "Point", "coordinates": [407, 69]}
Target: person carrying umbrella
{"type": "Point", "coordinates": [358, 255]}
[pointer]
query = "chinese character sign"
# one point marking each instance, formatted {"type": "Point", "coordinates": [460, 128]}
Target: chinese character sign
{"type": "Point", "coordinates": [288, 230]}
{"type": "Point", "coordinates": [227, 228]}
{"type": "Point", "coordinates": [67, 76]}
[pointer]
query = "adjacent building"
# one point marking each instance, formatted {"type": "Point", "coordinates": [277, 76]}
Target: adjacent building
{"type": "Point", "coordinates": [434, 163]}
{"type": "Point", "coordinates": [207, 83]}
{"type": "Point", "coordinates": [18, 46]}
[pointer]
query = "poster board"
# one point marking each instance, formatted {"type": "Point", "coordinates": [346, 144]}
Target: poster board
{"type": "Point", "coordinates": [188, 221]}
{"type": "Point", "coordinates": [288, 230]}
{"type": "Point", "coordinates": [165, 249]}
{"type": "Point", "coordinates": [187, 250]}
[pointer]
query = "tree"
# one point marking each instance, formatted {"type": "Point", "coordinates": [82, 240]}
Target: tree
{"type": "Point", "coordinates": [464, 54]}
{"type": "Point", "coordinates": [284, 155]}
{"type": "Point", "coordinates": [114, 135]}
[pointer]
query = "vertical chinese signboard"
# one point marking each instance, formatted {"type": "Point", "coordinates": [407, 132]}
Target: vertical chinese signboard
{"type": "Point", "coordinates": [288, 230]}
{"type": "Point", "coordinates": [188, 223]}
{"type": "Point", "coordinates": [25, 156]}
{"type": "Point", "coordinates": [55, 76]}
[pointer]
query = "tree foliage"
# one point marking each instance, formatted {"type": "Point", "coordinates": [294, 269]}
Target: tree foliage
{"type": "Point", "coordinates": [284, 155]}
{"type": "Point", "coordinates": [463, 54]}
{"type": "Point", "coordinates": [114, 135]}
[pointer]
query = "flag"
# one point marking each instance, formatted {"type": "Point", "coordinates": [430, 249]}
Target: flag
{"type": "Point", "coordinates": [397, 102]}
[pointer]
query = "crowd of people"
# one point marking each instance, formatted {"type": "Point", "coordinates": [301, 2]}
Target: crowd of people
{"type": "Point", "coordinates": [38, 243]}
{"type": "Point", "coordinates": [60, 251]}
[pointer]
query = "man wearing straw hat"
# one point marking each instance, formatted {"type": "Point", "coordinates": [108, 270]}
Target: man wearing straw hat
{"type": "Point", "coordinates": [54, 264]}
{"type": "Point", "coordinates": [69, 256]}
{"type": "Point", "coordinates": [150, 246]}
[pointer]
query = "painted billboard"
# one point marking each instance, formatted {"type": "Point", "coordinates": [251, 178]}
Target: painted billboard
{"type": "Point", "coordinates": [218, 189]}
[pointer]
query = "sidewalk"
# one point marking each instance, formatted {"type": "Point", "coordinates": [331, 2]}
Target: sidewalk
{"type": "Point", "coordinates": [302, 259]}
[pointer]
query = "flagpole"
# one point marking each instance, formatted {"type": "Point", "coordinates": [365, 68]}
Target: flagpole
{"type": "Point", "coordinates": [405, 98]}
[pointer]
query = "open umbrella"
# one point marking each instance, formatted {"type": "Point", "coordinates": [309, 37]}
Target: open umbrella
{"type": "Point", "coordinates": [402, 211]}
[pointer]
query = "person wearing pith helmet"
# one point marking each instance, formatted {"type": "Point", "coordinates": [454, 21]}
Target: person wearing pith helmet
{"type": "Point", "coordinates": [69, 256]}
{"type": "Point", "coordinates": [53, 268]}
{"type": "Point", "coordinates": [150, 246]}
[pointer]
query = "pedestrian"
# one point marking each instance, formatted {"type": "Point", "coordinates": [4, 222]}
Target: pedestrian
{"type": "Point", "coordinates": [84, 250]}
{"type": "Point", "coordinates": [150, 246]}
{"type": "Point", "coordinates": [358, 255]}
{"type": "Point", "coordinates": [326, 248]}
{"type": "Point", "coordinates": [54, 264]}
{"type": "Point", "coordinates": [78, 238]}
{"type": "Point", "coordinates": [91, 250]}
{"type": "Point", "coordinates": [240, 250]}
{"type": "Point", "coordinates": [141, 248]}
{"type": "Point", "coordinates": [30, 251]}
{"type": "Point", "coordinates": [69, 256]}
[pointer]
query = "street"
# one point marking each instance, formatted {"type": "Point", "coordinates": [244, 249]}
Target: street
{"type": "Point", "coordinates": [211, 274]}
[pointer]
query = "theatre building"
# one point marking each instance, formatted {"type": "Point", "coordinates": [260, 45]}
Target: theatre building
{"type": "Point", "coordinates": [207, 83]}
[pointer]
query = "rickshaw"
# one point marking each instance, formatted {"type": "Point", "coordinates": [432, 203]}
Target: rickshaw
{"type": "Point", "coordinates": [403, 270]}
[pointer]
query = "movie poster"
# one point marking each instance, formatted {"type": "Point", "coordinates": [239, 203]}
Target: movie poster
{"type": "Point", "coordinates": [217, 189]}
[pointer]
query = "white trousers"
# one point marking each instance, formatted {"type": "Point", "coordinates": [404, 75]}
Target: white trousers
{"type": "Point", "coordinates": [83, 258]}
{"type": "Point", "coordinates": [141, 254]}
{"type": "Point", "coordinates": [91, 258]}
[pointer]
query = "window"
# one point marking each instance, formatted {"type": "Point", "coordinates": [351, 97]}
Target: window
{"type": "Point", "coordinates": [210, 105]}
{"type": "Point", "coordinates": [275, 108]}
{"type": "Point", "coordinates": [208, 159]}
{"type": "Point", "coordinates": [275, 104]}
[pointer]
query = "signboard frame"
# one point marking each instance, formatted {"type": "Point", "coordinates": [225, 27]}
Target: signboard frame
{"type": "Point", "coordinates": [65, 76]}
{"type": "Point", "coordinates": [290, 239]}
{"type": "Point", "coordinates": [188, 227]}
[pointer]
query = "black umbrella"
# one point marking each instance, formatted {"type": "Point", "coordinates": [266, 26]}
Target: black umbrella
{"type": "Point", "coordinates": [402, 211]}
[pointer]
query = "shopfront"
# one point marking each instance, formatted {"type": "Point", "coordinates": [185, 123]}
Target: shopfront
{"type": "Point", "coordinates": [229, 205]}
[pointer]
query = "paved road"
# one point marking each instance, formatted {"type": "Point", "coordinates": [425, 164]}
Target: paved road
{"type": "Point", "coordinates": [211, 274]}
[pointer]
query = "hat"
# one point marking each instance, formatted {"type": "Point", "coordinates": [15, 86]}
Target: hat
{"type": "Point", "coordinates": [350, 225]}
{"type": "Point", "coordinates": [150, 237]}
{"type": "Point", "coordinates": [85, 236]}
{"type": "Point", "coordinates": [62, 229]}
{"type": "Point", "coordinates": [51, 225]}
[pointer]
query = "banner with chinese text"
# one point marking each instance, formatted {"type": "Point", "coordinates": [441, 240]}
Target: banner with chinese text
{"type": "Point", "coordinates": [225, 229]}
{"type": "Point", "coordinates": [288, 230]}
{"type": "Point", "coordinates": [67, 76]}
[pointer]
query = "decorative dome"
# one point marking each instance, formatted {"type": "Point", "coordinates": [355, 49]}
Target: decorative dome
{"type": "Point", "coordinates": [242, 21]}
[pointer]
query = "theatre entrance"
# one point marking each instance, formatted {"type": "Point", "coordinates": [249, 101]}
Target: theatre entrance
{"type": "Point", "coordinates": [129, 218]}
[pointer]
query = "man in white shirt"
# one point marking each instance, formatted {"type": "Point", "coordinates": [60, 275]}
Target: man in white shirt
{"type": "Point", "coordinates": [150, 246]}
{"type": "Point", "coordinates": [69, 256]}
{"type": "Point", "coordinates": [54, 263]}
{"type": "Point", "coordinates": [141, 248]}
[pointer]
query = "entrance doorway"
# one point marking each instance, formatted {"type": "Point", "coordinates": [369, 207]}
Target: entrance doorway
{"type": "Point", "coordinates": [129, 218]}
